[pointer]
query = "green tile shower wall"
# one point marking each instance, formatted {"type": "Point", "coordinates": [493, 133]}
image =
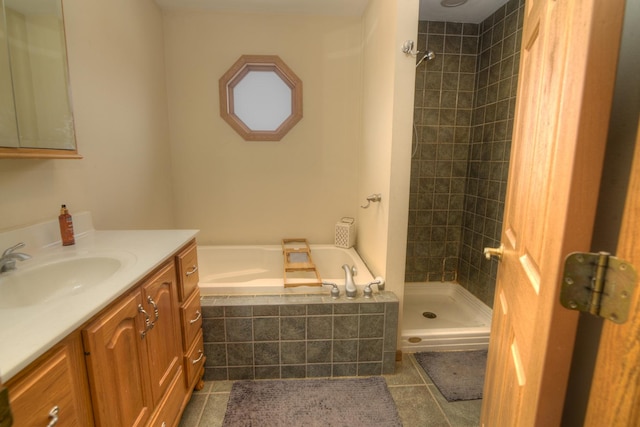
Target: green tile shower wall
{"type": "Point", "coordinates": [464, 107]}
{"type": "Point", "coordinates": [490, 147]}
{"type": "Point", "coordinates": [266, 337]}
{"type": "Point", "coordinates": [442, 114]}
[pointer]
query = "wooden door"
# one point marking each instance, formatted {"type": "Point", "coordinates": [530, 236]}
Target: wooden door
{"type": "Point", "coordinates": [615, 391]}
{"type": "Point", "coordinates": [164, 342]}
{"type": "Point", "coordinates": [118, 369]}
{"type": "Point", "coordinates": [567, 70]}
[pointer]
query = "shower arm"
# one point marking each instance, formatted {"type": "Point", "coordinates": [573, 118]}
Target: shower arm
{"type": "Point", "coordinates": [428, 55]}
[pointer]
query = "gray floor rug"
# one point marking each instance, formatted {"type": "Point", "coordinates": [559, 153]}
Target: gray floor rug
{"type": "Point", "coordinates": [348, 402]}
{"type": "Point", "coordinates": [459, 375]}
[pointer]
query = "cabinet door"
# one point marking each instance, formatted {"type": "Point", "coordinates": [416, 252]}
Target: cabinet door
{"type": "Point", "coordinates": [116, 343]}
{"type": "Point", "coordinates": [163, 341]}
{"type": "Point", "coordinates": [54, 389]}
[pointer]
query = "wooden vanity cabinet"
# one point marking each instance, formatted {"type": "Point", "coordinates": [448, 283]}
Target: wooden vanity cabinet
{"type": "Point", "coordinates": [133, 353]}
{"type": "Point", "coordinates": [54, 387]}
{"type": "Point", "coordinates": [134, 364]}
{"type": "Point", "coordinates": [191, 316]}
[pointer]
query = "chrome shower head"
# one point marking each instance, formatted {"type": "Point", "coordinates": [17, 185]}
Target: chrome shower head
{"type": "Point", "coordinates": [428, 55]}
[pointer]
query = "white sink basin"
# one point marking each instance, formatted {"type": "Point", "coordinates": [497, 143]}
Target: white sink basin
{"type": "Point", "coordinates": [41, 283]}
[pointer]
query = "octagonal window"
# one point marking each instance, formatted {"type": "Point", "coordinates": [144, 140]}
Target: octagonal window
{"type": "Point", "coordinates": [261, 98]}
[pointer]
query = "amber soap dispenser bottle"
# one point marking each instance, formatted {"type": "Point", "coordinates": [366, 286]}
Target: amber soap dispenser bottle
{"type": "Point", "coordinates": [66, 227]}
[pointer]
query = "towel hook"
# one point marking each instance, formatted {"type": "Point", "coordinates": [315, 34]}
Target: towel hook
{"type": "Point", "coordinates": [372, 198]}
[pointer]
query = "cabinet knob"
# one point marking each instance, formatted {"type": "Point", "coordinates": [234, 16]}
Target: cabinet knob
{"type": "Point", "coordinates": [53, 416]}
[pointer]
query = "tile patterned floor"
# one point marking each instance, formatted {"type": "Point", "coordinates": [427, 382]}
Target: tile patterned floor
{"type": "Point", "coordinates": [419, 402]}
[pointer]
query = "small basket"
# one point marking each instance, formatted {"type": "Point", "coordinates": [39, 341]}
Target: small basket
{"type": "Point", "coordinates": [345, 233]}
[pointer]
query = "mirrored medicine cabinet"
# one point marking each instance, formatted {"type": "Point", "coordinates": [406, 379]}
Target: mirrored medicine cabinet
{"type": "Point", "coordinates": [36, 119]}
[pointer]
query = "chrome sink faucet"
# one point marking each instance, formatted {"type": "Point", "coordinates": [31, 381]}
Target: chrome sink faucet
{"type": "Point", "coordinates": [349, 286]}
{"type": "Point", "coordinates": [9, 257]}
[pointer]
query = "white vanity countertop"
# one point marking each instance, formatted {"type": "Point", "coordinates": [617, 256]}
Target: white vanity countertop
{"type": "Point", "coordinates": [29, 331]}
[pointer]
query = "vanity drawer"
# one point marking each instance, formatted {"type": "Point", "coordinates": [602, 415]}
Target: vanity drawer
{"type": "Point", "coordinates": [191, 319]}
{"type": "Point", "coordinates": [194, 360]}
{"type": "Point", "coordinates": [53, 388]}
{"type": "Point", "coordinates": [167, 415]}
{"type": "Point", "coordinates": [187, 271]}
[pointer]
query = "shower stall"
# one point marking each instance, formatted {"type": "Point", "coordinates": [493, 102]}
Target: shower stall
{"type": "Point", "coordinates": [463, 120]}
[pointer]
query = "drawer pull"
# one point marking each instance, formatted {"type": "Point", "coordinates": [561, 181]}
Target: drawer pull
{"type": "Point", "coordinates": [195, 362]}
{"type": "Point", "coordinates": [193, 270]}
{"type": "Point", "coordinates": [155, 307]}
{"type": "Point", "coordinates": [198, 316]}
{"type": "Point", "coordinates": [53, 416]}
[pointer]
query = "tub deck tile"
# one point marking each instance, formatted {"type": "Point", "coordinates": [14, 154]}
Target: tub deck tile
{"type": "Point", "coordinates": [238, 311]}
{"type": "Point", "coordinates": [210, 311]}
{"type": "Point", "coordinates": [297, 336]}
{"type": "Point", "coordinates": [213, 329]}
{"type": "Point", "coordinates": [293, 310]}
{"type": "Point", "coordinates": [371, 326]}
{"type": "Point", "coordinates": [374, 307]}
{"type": "Point", "coordinates": [319, 309]}
{"type": "Point", "coordinates": [266, 329]}
{"type": "Point", "coordinates": [266, 310]}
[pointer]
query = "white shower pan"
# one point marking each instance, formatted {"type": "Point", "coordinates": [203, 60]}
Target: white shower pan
{"type": "Point", "coordinates": [440, 316]}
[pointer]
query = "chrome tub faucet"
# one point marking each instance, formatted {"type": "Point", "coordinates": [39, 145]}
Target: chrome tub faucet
{"type": "Point", "coordinates": [350, 288]}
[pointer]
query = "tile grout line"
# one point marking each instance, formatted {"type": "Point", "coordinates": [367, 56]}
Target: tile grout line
{"type": "Point", "coordinates": [444, 414]}
{"type": "Point", "coordinates": [204, 405]}
{"type": "Point", "coordinates": [406, 385]}
{"type": "Point", "coordinates": [423, 375]}
{"type": "Point", "coordinates": [428, 384]}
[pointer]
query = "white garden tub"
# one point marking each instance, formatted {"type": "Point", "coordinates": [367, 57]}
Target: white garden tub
{"type": "Point", "coordinates": [259, 270]}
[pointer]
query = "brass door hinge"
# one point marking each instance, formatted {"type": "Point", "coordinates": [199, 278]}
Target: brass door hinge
{"type": "Point", "coordinates": [599, 284]}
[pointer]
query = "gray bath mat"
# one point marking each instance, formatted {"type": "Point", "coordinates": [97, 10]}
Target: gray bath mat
{"type": "Point", "coordinates": [459, 375]}
{"type": "Point", "coordinates": [349, 402]}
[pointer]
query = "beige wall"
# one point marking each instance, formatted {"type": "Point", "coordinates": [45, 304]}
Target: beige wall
{"type": "Point", "coordinates": [239, 192]}
{"type": "Point", "coordinates": [116, 62]}
{"type": "Point", "coordinates": [354, 139]}
{"type": "Point", "coordinates": [386, 144]}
